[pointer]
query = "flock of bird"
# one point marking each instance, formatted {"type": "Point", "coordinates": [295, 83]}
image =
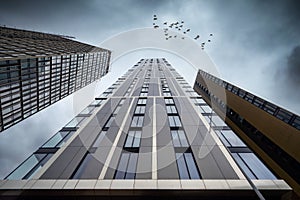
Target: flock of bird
{"type": "Point", "coordinates": [179, 27]}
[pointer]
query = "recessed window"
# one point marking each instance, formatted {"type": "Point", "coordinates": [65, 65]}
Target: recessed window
{"type": "Point", "coordinates": [142, 101]}
{"type": "Point", "coordinates": [83, 166]}
{"type": "Point", "coordinates": [252, 166]}
{"type": "Point", "coordinates": [174, 121]}
{"type": "Point", "coordinates": [186, 166]}
{"type": "Point", "coordinates": [133, 139]}
{"type": "Point", "coordinates": [127, 166]}
{"type": "Point", "coordinates": [137, 121]}
{"type": "Point", "coordinates": [140, 110]}
{"type": "Point", "coordinates": [179, 138]}
{"type": "Point", "coordinates": [58, 139]}
{"type": "Point", "coordinates": [28, 168]}
{"type": "Point", "coordinates": [171, 110]}
{"type": "Point", "coordinates": [169, 101]}
{"type": "Point", "coordinates": [75, 122]}
{"type": "Point", "coordinates": [100, 137]}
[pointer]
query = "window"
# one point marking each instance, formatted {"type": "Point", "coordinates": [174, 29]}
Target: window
{"type": "Point", "coordinates": [142, 101]}
{"type": "Point", "coordinates": [140, 110]}
{"type": "Point", "coordinates": [82, 166]}
{"type": "Point", "coordinates": [30, 166]}
{"type": "Point", "coordinates": [88, 110]}
{"type": "Point", "coordinates": [127, 166]}
{"type": "Point", "coordinates": [229, 138]}
{"type": "Point", "coordinates": [252, 166]}
{"type": "Point", "coordinates": [171, 110]}
{"type": "Point", "coordinates": [75, 122]}
{"type": "Point", "coordinates": [174, 121]}
{"type": "Point", "coordinates": [167, 94]}
{"type": "Point", "coordinates": [179, 138]}
{"type": "Point", "coordinates": [144, 94]}
{"type": "Point", "coordinates": [58, 139]}
{"type": "Point", "coordinates": [109, 121]}
{"type": "Point", "coordinates": [133, 139]}
{"type": "Point", "coordinates": [169, 101]}
{"type": "Point", "coordinates": [100, 137]}
{"type": "Point", "coordinates": [137, 121]}
{"type": "Point", "coordinates": [186, 166]}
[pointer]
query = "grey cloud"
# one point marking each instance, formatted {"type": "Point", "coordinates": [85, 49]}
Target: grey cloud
{"type": "Point", "coordinates": [293, 66]}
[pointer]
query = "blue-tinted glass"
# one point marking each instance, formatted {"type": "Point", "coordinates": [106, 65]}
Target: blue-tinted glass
{"type": "Point", "coordinates": [129, 139]}
{"type": "Point", "coordinates": [183, 173]}
{"type": "Point", "coordinates": [171, 121]}
{"type": "Point", "coordinates": [120, 174]}
{"type": "Point", "coordinates": [65, 139]}
{"type": "Point", "coordinates": [140, 121]}
{"type": "Point", "coordinates": [218, 121]}
{"type": "Point", "coordinates": [130, 174]}
{"type": "Point", "coordinates": [137, 139]}
{"type": "Point", "coordinates": [242, 165]}
{"type": "Point", "coordinates": [55, 139]}
{"type": "Point", "coordinates": [225, 142]}
{"type": "Point", "coordinates": [258, 168]}
{"type": "Point", "coordinates": [38, 167]}
{"type": "Point", "coordinates": [191, 166]}
{"type": "Point", "coordinates": [134, 121]}
{"type": "Point", "coordinates": [82, 167]}
{"type": "Point", "coordinates": [175, 139]}
{"type": "Point", "coordinates": [232, 138]}
{"type": "Point", "coordinates": [182, 138]}
{"type": "Point", "coordinates": [177, 121]}
{"type": "Point", "coordinates": [75, 122]}
{"type": "Point", "coordinates": [26, 167]}
{"type": "Point", "coordinates": [99, 138]}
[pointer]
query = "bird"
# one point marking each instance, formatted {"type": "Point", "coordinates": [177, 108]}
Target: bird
{"type": "Point", "coordinates": [181, 26]}
{"type": "Point", "coordinates": [184, 32]}
{"type": "Point", "coordinates": [182, 22]}
{"type": "Point", "coordinates": [156, 26]}
{"type": "Point", "coordinates": [155, 18]}
{"type": "Point", "coordinates": [208, 40]}
{"type": "Point", "coordinates": [188, 30]}
{"type": "Point", "coordinates": [179, 29]}
{"type": "Point", "coordinates": [211, 34]}
{"type": "Point", "coordinates": [165, 23]}
{"type": "Point", "coordinates": [175, 36]}
{"type": "Point", "coordinates": [197, 37]}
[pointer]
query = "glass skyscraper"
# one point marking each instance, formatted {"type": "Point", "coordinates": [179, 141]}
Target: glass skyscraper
{"type": "Point", "coordinates": [39, 69]}
{"type": "Point", "coordinates": [149, 135]}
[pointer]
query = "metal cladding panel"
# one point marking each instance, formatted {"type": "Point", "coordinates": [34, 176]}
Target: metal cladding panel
{"type": "Point", "coordinates": [166, 163]}
{"type": "Point", "coordinates": [144, 164]}
{"type": "Point", "coordinates": [223, 163]}
{"type": "Point", "coordinates": [146, 140]}
{"type": "Point", "coordinates": [207, 165]}
{"type": "Point", "coordinates": [163, 136]}
{"type": "Point", "coordinates": [138, 87]}
{"type": "Point", "coordinates": [193, 135]}
{"type": "Point", "coordinates": [113, 164]}
{"type": "Point", "coordinates": [123, 88]}
{"type": "Point", "coordinates": [60, 164]}
{"type": "Point", "coordinates": [72, 166]}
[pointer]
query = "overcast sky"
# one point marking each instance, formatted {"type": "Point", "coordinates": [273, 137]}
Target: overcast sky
{"type": "Point", "coordinates": [256, 45]}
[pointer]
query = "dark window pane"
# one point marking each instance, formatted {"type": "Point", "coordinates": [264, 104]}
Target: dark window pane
{"type": "Point", "coordinates": [38, 166]}
{"type": "Point", "coordinates": [82, 167]}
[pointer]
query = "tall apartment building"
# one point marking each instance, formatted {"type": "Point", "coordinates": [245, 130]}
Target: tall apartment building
{"type": "Point", "coordinates": [271, 131]}
{"type": "Point", "coordinates": [39, 69]}
{"type": "Point", "coordinates": [148, 135]}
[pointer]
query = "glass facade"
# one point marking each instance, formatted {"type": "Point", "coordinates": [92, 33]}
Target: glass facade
{"type": "Point", "coordinates": [38, 69]}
